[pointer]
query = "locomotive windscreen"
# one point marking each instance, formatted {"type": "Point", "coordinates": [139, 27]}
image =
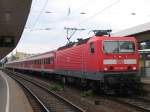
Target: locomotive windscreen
{"type": "Point", "coordinates": [118, 47]}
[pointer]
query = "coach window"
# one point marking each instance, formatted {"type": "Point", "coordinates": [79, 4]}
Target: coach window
{"type": "Point", "coordinates": [43, 61]}
{"type": "Point", "coordinates": [49, 60]}
{"type": "Point", "coordinates": [46, 60]}
{"type": "Point", "coordinates": [52, 60]}
{"type": "Point", "coordinates": [40, 61]}
{"type": "Point", "coordinates": [92, 49]}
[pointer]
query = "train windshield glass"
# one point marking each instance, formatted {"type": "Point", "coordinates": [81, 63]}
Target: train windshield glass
{"type": "Point", "coordinates": [118, 47]}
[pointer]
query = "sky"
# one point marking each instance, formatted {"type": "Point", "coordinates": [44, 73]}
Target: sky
{"type": "Point", "coordinates": [44, 30]}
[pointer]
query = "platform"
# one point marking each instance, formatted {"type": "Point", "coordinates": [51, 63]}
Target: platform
{"type": "Point", "coordinates": [145, 80]}
{"type": "Point", "coordinates": [12, 97]}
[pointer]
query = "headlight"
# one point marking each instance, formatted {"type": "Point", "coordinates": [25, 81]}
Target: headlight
{"type": "Point", "coordinates": [105, 69]}
{"type": "Point", "coordinates": [134, 68]}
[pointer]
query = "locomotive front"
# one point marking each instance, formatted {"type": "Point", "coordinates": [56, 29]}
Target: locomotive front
{"type": "Point", "coordinates": [120, 54]}
{"type": "Point", "coordinates": [120, 62]}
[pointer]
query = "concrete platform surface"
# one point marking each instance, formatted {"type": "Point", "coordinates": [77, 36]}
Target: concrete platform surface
{"type": "Point", "coordinates": [12, 97]}
{"type": "Point", "coordinates": [145, 80]}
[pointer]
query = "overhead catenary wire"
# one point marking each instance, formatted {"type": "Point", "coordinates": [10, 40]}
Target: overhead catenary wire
{"type": "Point", "coordinates": [105, 8]}
{"type": "Point", "coordinates": [41, 12]}
{"type": "Point", "coordinates": [99, 12]}
{"type": "Point", "coordinates": [81, 6]}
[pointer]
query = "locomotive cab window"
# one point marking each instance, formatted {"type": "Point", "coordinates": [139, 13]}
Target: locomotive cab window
{"type": "Point", "coordinates": [118, 47]}
{"type": "Point", "coordinates": [92, 49]}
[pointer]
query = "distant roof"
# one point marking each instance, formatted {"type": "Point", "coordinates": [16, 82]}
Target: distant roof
{"type": "Point", "coordinates": [134, 30]}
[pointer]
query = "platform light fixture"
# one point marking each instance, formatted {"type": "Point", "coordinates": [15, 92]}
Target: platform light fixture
{"type": "Point", "coordinates": [7, 41]}
{"type": "Point", "coordinates": [7, 16]}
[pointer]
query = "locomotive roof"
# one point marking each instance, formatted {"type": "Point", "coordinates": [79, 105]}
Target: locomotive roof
{"type": "Point", "coordinates": [93, 38]}
{"type": "Point", "coordinates": [81, 41]}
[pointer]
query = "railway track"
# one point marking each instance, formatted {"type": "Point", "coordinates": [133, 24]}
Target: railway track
{"type": "Point", "coordinates": [49, 101]}
{"type": "Point", "coordinates": [139, 103]}
{"type": "Point", "coordinates": [36, 104]}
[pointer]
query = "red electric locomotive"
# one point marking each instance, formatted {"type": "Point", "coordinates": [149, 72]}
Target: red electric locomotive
{"type": "Point", "coordinates": [103, 61]}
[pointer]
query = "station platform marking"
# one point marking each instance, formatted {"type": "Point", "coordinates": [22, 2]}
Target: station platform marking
{"type": "Point", "coordinates": [8, 93]}
{"type": "Point", "coordinates": [16, 99]}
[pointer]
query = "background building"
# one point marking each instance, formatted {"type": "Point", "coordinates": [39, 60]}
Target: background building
{"type": "Point", "coordinates": [19, 56]}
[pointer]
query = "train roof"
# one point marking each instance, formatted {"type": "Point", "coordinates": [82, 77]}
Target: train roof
{"type": "Point", "coordinates": [80, 42]}
{"type": "Point", "coordinates": [93, 38]}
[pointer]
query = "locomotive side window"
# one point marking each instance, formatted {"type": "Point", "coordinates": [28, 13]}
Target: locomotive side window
{"type": "Point", "coordinates": [92, 47]}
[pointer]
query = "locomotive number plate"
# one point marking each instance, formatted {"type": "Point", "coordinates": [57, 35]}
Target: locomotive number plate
{"type": "Point", "coordinates": [120, 61]}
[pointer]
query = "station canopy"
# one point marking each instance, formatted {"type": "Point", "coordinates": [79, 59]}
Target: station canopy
{"type": "Point", "coordinates": [13, 17]}
{"type": "Point", "coordinates": [141, 32]}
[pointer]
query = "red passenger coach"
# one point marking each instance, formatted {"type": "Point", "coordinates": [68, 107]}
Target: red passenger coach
{"type": "Point", "coordinates": [102, 60]}
{"type": "Point", "coordinates": [41, 63]}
